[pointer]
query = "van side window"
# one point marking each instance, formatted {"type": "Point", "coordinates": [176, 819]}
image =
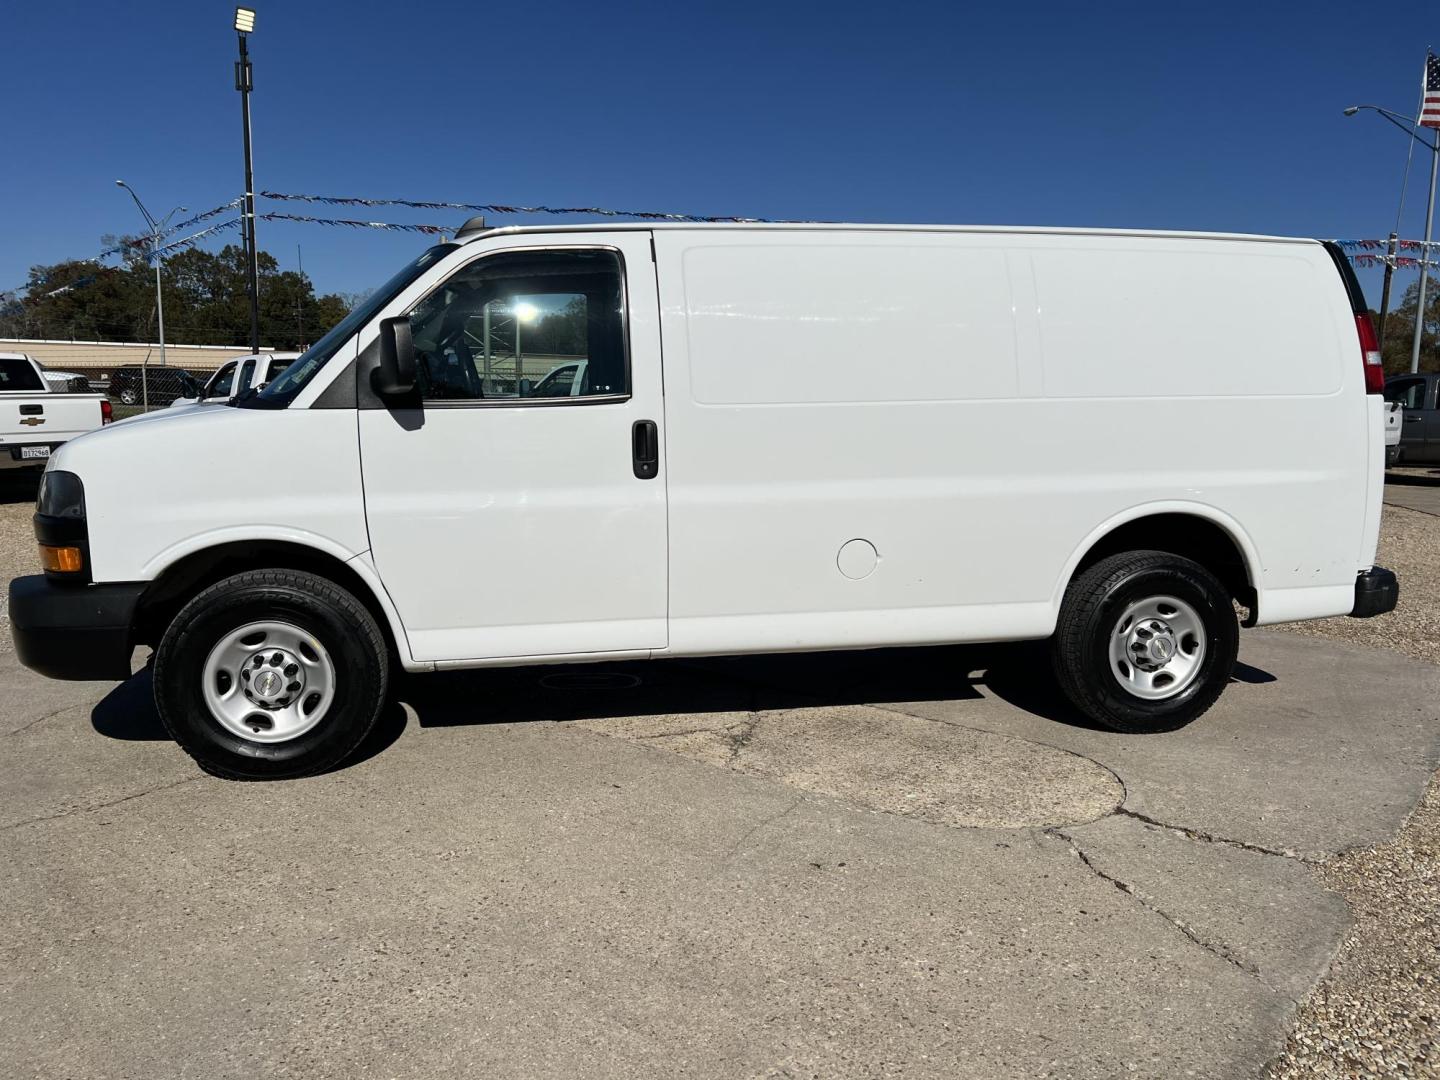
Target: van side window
{"type": "Point", "coordinates": [524, 325]}
{"type": "Point", "coordinates": [1409, 392]}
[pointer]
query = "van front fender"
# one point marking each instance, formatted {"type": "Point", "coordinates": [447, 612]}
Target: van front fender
{"type": "Point", "coordinates": [299, 542]}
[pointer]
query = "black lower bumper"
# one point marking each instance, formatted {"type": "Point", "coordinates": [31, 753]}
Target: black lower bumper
{"type": "Point", "coordinates": [69, 631]}
{"type": "Point", "coordinates": [1377, 591]}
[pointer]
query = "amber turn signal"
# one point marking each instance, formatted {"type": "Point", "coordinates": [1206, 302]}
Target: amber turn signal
{"type": "Point", "coordinates": [61, 560]}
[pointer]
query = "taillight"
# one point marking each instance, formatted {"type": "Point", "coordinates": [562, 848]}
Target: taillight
{"type": "Point", "coordinates": [1370, 354]}
{"type": "Point", "coordinates": [107, 412]}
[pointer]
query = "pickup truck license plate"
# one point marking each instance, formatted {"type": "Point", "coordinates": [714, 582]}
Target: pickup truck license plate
{"type": "Point", "coordinates": [29, 453]}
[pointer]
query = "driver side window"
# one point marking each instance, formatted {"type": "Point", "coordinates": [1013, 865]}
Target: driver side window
{"type": "Point", "coordinates": [525, 325]}
{"type": "Point", "coordinates": [1409, 392]}
{"type": "Point", "coordinates": [221, 386]}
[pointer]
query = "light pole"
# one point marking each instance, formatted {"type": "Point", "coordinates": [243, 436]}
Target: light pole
{"type": "Point", "coordinates": [244, 24]}
{"type": "Point", "coordinates": [157, 228]}
{"type": "Point", "coordinates": [1407, 125]}
{"type": "Point", "coordinates": [524, 312]}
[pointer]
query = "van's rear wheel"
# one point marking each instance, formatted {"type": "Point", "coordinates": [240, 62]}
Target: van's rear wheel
{"type": "Point", "coordinates": [1146, 641]}
{"type": "Point", "coordinates": [271, 674]}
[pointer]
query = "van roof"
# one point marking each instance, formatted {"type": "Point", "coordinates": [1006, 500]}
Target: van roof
{"type": "Point", "coordinates": [817, 226]}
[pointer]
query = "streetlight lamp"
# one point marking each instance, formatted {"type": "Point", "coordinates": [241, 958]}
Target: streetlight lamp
{"type": "Point", "coordinates": [244, 25]}
{"type": "Point", "coordinates": [1407, 125]}
{"type": "Point", "coordinates": [157, 229]}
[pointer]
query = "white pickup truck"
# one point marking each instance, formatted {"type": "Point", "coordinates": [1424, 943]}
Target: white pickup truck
{"type": "Point", "coordinates": [34, 419]}
{"type": "Point", "coordinates": [234, 378]}
{"type": "Point", "coordinates": [1394, 419]}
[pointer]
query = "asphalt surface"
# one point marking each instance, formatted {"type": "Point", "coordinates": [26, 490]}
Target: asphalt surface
{"type": "Point", "coordinates": [915, 863]}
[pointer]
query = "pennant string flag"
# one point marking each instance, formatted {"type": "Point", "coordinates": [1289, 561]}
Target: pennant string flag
{"type": "Point", "coordinates": [499, 208]}
{"type": "Point", "coordinates": [1363, 253]}
{"type": "Point", "coordinates": [185, 242]}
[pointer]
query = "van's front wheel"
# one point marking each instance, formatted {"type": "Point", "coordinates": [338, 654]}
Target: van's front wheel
{"type": "Point", "coordinates": [271, 674]}
{"type": "Point", "coordinates": [1146, 641]}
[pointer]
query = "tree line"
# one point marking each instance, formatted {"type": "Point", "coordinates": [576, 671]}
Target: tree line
{"type": "Point", "coordinates": [205, 293]}
{"type": "Point", "coordinates": [1398, 338]}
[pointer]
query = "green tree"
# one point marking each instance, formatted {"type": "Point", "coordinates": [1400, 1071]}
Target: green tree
{"type": "Point", "coordinates": [1400, 330]}
{"type": "Point", "coordinates": [206, 301]}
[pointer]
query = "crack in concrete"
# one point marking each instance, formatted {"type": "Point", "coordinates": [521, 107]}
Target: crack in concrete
{"type": "Point", "coordinates": [1196, 835]}
{"type": "Point", "coordinates": [1124, 789]}
{"type": "Point", "coordinates": [1214, 947]}
{"type": "Point", "coordinates": [100, 806]}
{"type": "Point", "coordinates": [742, 740]}
{"type": "Point", "coordinates": [41, 719]}
{"type": "Point", "coordinates": [737, 735]}
{"type": "Point", "coordinates": [771, 820]}
{"type": "Point", "coordinates": [1202, 837]}
{"type": "Point", "coordinates": [716, 730]}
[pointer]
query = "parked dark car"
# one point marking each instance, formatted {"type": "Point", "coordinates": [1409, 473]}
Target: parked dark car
{"type": "Point", "coordinates": [1420, 430]}
{"type": "Point", "coordinates": [165, 384]}
{"type": "Point", "coordinates": [65, 382]}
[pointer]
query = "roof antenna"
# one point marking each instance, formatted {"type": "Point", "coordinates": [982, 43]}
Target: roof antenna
{"type": "Point", "coordinates": [474, 227]}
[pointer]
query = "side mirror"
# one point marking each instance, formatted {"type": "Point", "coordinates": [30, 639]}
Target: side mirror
{"type": "Point", "coordinates": [395, 375]}
{"type": "Point", "coordinates": [525, 387]}
{"type": "Point", "coordinates": [189, 388]}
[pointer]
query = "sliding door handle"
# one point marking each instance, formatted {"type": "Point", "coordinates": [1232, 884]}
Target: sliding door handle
{"type": "Point", "coordinates": [645, 449]}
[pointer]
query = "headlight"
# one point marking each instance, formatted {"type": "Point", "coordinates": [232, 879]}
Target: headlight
{"type": "Point", "coordinates": [61, 495]}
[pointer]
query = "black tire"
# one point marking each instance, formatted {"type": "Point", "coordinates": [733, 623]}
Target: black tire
{"type": "Point", "coordinates": [321, 608]}
{"type": "Point", "coordinates": [129, 396]}
{"type": "Point", "coordinates": [1093, 605]}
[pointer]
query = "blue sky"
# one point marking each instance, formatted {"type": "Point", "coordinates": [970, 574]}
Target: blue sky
{"type": "Point", "coordinates": [1221, 116]}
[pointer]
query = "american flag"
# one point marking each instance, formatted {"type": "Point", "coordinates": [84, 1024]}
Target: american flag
{"type": "Point", "coordinates": [1430, 110]}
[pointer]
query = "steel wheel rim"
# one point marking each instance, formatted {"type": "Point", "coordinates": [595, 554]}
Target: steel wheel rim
{"type": "Point", "coordinates": [268, 682]}
{"type": "Point", "coordinates": [1157, 647]}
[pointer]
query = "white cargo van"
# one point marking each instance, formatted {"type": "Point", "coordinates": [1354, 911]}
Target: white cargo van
{"type": "Point", "coordinates": [785, 438]}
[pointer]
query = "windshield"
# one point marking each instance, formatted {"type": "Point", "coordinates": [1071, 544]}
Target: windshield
{"type": "Point", "coordinates": [287, 386]}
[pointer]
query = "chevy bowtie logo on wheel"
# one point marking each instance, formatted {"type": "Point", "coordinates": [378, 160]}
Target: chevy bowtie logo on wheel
{"type": "Point", "coordinates": [32, 421]}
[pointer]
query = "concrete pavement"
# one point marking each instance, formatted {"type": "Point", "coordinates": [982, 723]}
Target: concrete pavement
{"type": "Point", "coordinates": [1415, 488]}
{"type": "Point", "coordinates": [909, 863]}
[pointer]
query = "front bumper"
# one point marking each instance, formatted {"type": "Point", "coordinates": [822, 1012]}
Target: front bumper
{"type": "Point", "coordinates": [1377, 591]}
{"type": "Point", "coordinates": [67, 631]}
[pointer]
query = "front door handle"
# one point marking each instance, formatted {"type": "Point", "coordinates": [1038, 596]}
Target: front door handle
{"type": "Point", "coordinates": [645, 449]}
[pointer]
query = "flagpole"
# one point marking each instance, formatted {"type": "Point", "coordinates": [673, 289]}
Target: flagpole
{"type": "Point", "coordinates": [1425, 258]}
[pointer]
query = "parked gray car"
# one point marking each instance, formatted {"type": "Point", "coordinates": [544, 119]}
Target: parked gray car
{"type": "Point", "coordinates": [1420, 428]}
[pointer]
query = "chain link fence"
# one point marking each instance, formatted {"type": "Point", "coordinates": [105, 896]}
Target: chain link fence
{"type": "Point", "coordinates": [132, 389]}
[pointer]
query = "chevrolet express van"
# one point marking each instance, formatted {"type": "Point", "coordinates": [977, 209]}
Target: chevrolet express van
{"type": "Point", "coordinates": [785, 437]}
